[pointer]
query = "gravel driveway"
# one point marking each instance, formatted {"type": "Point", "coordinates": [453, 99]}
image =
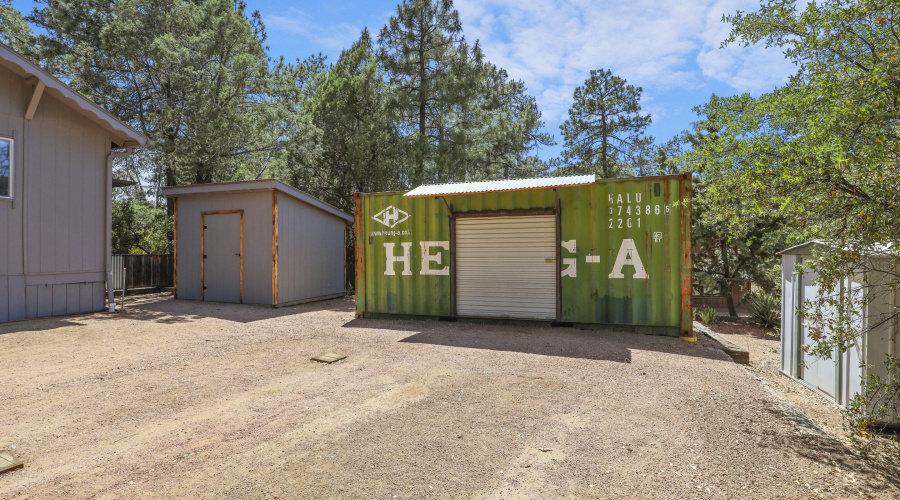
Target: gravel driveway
{"type": "Point", "coordinates": [187, 399]}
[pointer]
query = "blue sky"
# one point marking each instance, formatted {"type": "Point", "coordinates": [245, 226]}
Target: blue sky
{"type": "Point", "coordinates": [670, 48]}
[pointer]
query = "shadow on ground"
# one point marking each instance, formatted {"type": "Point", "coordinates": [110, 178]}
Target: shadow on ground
{"type": "Point", "coordinates": [164, 309]}
{"type": "Point", "coordinates": [817, 445]}
{"type": "Point", "coordinates": [562, 342]}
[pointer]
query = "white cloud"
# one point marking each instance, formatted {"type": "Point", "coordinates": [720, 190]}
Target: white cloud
{"type": "Point", "coordinates": [753, 69]}
{"type": "Point", "coordinates": [553, 44]}
{"type": "Point", "coordinates": [670, 48]}
{"type": "Point", "coordinates": [328, 38]}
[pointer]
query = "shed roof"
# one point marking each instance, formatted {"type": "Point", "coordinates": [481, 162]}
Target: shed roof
{"type": "Point", "coordinates": [807, 248]}
{"type": "Point", "coordinates": [501, 185]}
{"type": "Point", "coordinates": [255, 185]}
{"type": "Point", "coordinates": [121, 132]}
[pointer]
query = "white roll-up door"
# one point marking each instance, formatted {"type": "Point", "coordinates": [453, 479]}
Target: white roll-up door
{"type": "Point", "coordinates": [506, 267]}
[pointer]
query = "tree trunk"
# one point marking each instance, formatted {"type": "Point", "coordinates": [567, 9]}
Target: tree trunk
{"type": "Point", "coordinates": [423, 102]}
{"type": "Point", "coordinates": [170, 182]}
{"type": "Point", "coordinates": [729, 299]}
{"type": "Point", "coordinates": [726, 287]}
{"type": "Point", "coordinates": [603, 147]}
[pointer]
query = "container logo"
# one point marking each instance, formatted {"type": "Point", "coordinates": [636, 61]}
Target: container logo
{"type": "Point", "coordinates": [391, 216]}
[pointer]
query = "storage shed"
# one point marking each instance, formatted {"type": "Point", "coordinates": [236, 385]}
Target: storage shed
{"type": "Point", "coordinates": [257, 242]}
{"type": "Point", "coordinates": [566, 250]}
{"type": "Point", "coordinates": [841, 377]}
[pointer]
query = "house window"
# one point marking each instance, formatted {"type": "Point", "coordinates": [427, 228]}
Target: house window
{"type": "Point", "coordinates": [6, 161]}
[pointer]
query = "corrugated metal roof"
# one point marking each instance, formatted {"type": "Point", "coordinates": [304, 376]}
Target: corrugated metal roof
{"type": "Point", "coordinates": [502, 185]}
{"type": "Point", "coordinates": [875, 250]}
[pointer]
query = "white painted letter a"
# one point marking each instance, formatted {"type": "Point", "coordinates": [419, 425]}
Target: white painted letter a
{"type": "Point", "coordinates": [628, 256]}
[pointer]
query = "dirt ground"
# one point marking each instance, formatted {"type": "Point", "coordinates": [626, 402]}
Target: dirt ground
{"type": "Point", "coordinates": [765, 351]}
{"type": "Point", "coordinates": [187, 399]}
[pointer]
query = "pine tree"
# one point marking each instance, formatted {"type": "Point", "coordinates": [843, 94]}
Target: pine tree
{"type": "Point", "coordinates": [356, 147]}
{"type": "Point", "coordinates": [434, 75]}
{"type": "Point", "coordinates": [192, 75]}
{"type": "Point", "coordinates": [605, 130]}
{"type": "Point", "coordinates": [14, 30]}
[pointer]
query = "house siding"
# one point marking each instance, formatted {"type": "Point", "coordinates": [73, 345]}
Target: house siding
{"type": "Point", "coordinates": [53, 229]}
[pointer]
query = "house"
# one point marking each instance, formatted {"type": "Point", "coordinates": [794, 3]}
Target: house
{"type": "Point", "coordinates": [257, 242]}
{"type": "Point", "coordinates": [864, 299]}
{"type": "Point", "coordinates": [56, 152]}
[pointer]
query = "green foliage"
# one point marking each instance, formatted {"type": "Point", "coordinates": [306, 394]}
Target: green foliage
{"type": "Point", "coordinates": [765, 308]}
{"type": "Point", "coordinates": [822, 151]}
{"type": "Point", "coordinates": [867, 414]}
{"type": "Point", "coordinates": [604, 133]}
{"type": "Point", "coordinates": [14, 30]}
{"type": "Point", "coordinates": [139, 227]}
{"type": "Point", "coordinates": [434, 75]}
{"type": "Point", "coordinates": [193, 76]}
{"type": "Point", "coordinates": [726, 255]}
{"type": "Point", "coordinates": [707, 315]}
{"type": "Point", "coordinates": [358, 145]}
{"type": "Point", "coordinates": [458, 116]}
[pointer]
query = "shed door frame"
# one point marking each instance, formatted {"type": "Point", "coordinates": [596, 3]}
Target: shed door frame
{"type": "Point", "coordinates": [483, 214]}
{"type": "Point", "coordinates": [203, 250]}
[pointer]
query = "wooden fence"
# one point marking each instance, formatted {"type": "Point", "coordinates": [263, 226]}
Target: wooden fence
{"type": "Point", "coordinates": [142, 271]}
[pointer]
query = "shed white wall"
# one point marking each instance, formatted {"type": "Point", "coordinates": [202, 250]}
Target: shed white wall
{"type": "Point", "coordinates": [257, 207]}
{"type": "Point", "coordinates": [53, 245]}
{"type": "Point", "coordinates": [882, 336]}
{"type": "Point", "coordinates": [852, 374]}
{"type": "Point", "coordinates": [788, 315]}
{"type": "Point", "coordinates": [870, 349]}
{"type": "Point", "coordinates": [310, 252]}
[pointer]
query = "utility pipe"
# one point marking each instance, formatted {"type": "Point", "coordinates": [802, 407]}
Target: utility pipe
{"type": "Point", "coordinates": [109, 176]}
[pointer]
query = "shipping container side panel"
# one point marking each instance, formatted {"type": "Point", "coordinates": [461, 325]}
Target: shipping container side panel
{"type": "Point", "coordinates": [395, 231]}
{"type": "Point", "coordinates": [627, 240]}
{"type": "Point", "coordinates": [620, 251]}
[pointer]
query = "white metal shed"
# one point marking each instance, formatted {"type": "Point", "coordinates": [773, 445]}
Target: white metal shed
{"type": "Point", "coordinates": [841, 377]}
{"type": "Point", "coordinates": [258, 242]}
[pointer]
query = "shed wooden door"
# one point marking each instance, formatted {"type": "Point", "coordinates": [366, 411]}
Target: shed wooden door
{"type": "Point", "coordinates": [506, 267]}
{"type": "Point", "coordinates": [221, 276]}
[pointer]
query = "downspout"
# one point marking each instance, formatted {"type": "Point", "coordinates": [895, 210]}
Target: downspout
{"type": "Point", "coordinates": [109, 277]}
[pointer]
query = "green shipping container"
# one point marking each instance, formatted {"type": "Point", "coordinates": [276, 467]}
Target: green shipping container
{"type": "Point", "coordinates": [569, 250]}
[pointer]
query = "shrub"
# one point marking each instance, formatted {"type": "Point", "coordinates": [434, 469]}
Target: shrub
{"type": "Point", "coordinates": [707, 315]}
{"type": "Point", "coordinates": [765, 309]}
